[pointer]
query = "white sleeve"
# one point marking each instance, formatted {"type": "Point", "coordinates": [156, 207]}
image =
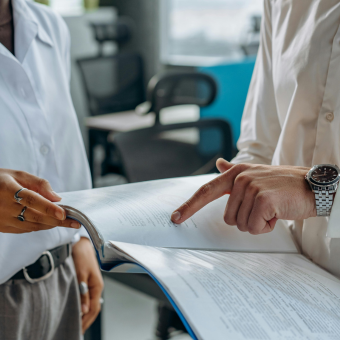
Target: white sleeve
{"type": "Point", "coordinates": [260, 127]}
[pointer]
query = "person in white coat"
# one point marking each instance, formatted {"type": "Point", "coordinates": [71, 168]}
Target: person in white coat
{"type": "Point", "coordinates": [41, 148]}
{"type": "Point", "coordinates": [290, 128]}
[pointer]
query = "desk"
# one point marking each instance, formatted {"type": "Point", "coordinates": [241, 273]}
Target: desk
{"type": "Point", "coordinates": [101, 126]}
{"type": "Point", "coordinates": [120, 122]}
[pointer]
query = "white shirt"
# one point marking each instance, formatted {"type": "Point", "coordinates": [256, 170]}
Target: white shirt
{"type": "Point", "coordinates": [292, 113]}
{"type": "Point", "coordinates": [39, 131]}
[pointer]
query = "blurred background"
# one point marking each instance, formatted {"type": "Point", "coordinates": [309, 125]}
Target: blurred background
{"type": "Point", "coordinates": [159, 88]}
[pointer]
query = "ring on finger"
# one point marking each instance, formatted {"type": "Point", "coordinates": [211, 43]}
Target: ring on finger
{"type": "Point", "coordinates": [83, 288]}
{"type": "Point", "coordinates": [16, 197]}
{"type": "Point", "coordinates": [21, 215]}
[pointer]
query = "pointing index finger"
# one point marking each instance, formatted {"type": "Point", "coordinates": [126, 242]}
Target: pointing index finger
{"type": "Point", "coordinates": [207, 193]}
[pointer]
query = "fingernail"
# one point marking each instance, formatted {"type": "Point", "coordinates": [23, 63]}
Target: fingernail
{"type": "Point", "coordinates": [75, 225]}
{"type": "Point", "coordinates": [176, 216]}
{"type": "Point", "coordinates": [60, 215]}
{"type": "Point", "coordinates": [84, 308]}
{"type": "Point", "coordinates": [55, 194]}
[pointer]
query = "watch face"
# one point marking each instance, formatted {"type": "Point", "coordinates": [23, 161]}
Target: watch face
{"type": "Point", "coordinates": [324, 174]}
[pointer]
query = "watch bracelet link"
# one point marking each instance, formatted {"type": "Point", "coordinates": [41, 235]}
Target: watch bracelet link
{"type": "Point", "coordinates": [324, 199]}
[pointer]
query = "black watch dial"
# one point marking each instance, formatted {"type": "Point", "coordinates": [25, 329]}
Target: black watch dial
{"type": "Point", "coordinates": [324, 174]}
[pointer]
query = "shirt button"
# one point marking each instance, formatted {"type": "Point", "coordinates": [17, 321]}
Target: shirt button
{"type": "Point", "coordinates": [44, 150]}
{"type": "Point", "coordinates": [330, 116]}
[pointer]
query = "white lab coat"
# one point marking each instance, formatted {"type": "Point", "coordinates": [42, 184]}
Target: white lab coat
{"type": "Point", "coordinates": [39, 131]}
{"type": "Point", "coordinates": [292, 113]}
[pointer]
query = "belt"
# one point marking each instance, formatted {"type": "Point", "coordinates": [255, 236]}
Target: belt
{"type": "Point", "coordinates": [44, 267]}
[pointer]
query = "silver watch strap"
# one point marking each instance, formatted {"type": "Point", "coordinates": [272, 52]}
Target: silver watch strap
{"type": "Point", "coordinates": [324, 202]}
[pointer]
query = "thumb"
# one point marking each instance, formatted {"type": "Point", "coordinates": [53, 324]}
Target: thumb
{"type": "Point", "coordinates": [223, 165]}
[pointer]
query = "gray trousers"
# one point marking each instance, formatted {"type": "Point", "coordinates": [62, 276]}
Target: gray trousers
{"type": "Point", "coordinates": [47, 310]}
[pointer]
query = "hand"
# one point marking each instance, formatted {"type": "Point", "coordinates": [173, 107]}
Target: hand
{"type": "Point", "coordinates": [259, 196]}
{"type": "Point", "coordinates": [41, 213]}
{"type": "Point", "coordinates": [88, 271]}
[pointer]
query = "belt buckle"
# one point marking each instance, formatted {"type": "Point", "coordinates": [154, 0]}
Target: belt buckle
{"type": "Point", "coordinates": [46, 276]}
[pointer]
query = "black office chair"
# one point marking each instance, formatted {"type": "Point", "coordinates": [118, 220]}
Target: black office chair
{"type": "Point", "coordinates": [165, 151]}
{"type": "Point", "coordinates": [175, 150]}
{"type": "Point", "coordinates": [112, 83]}
{"type": "Point", "coordinates": [119, 31]}
{"type": "Point", "coordinates": [178, 88]}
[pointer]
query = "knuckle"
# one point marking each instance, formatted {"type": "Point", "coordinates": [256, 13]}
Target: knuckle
{"type": "Point", "coordinates": [37, 218]}
{"type": "Point", "coordinates": [49, 210]}
{"type": "Point", "coordinates": [240, 167]}
{"type": "Point", "coordinates": [19, 173]}
{"type": "Point", "coordinates": [42, 183]}
{"type": "Point", "coordinates": [242, 179]}
{"type": "Point", "coordinates": [30, 200]}
{"type": "Point", "coordinates": [4, 182]}
{"type": "Point", "coordinates": [205, 190]}
{"type": "Point", "coordinates": [187, 205]}
{"type": "Point", "coordinates": [262, 199]}
{"type": "Point", "coordinates": [252, 189]}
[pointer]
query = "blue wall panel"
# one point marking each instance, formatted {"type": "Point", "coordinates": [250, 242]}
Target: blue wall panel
{"type": "Point", "coordinates": [233, 82]}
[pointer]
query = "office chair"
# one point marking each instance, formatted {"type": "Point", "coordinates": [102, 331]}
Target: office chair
{"type": "Point", "coordinates": [112, 83]}
{"type": "Point", "coordinates": [119, 31]}
{"type": "Point", "coordinates": [175, 150]}
{"type": "Point", "coordinates": [178, 88]}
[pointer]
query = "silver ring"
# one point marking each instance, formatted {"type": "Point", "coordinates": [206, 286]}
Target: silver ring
{"type": "Point", "coordinates": [21, 215]}
{"type": "Point", "coordinates": [16, 197]}
{"type": "Point", "coordinates": [83, 288]}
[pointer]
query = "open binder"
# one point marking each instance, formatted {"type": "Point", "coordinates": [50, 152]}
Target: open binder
{"type": "Point", "coordinates": [223, 283]}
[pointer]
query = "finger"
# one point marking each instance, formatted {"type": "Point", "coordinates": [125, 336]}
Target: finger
{"type": "Point", "coordinates": [13, 230]}
{"type": "Point", "coordinates": [223, 165]}
{"type": "Point", "coordinates": [29, 226]}
{"type": "Point", "coordinates": [35, 201]}
{"type": "Point", "coordinates": [95, 295]}
{"type": "Point", "coordinates": [269, 226]}
{"type": "Point", "coordinates": [35, 216]}
{"type": "Point", "coordinates": [85, 303]}
{"type": "Point", "coordinates": [36, 184]}
{"type": "Point", "coordinates": [245, 208]}
{"type": "Point", "coordinates": [261, 213]}
{"type": "Point", "coordinates": [209, 192]}
{"type": "Point", "coordinates": [235, 200]}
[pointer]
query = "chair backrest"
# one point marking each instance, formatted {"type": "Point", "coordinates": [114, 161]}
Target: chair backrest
{"type": "Point", "coordinates": [175, 150]}
{"type": "Point", "coordinates": [113, 83]}
{"type": "Point", "coordinates": [119, 32]}
{"type": "Point", "coordinates": [178, 88]}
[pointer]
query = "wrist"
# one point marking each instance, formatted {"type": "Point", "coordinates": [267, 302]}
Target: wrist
{"type": "Point", "coordinates": [323, 180]}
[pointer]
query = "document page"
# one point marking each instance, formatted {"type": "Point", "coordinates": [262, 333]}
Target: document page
{"type": "Point", "coordinates": [140, 214]}
{"type": "Point", "coordinates": [226, 295]}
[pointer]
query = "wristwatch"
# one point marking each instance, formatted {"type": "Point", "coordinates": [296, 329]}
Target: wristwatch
{"type": "Point", "coordinates": [324, 179]}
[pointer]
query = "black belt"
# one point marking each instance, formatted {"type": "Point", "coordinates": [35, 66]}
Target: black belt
{"type": "Point", "coordinates": [45, 265]}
